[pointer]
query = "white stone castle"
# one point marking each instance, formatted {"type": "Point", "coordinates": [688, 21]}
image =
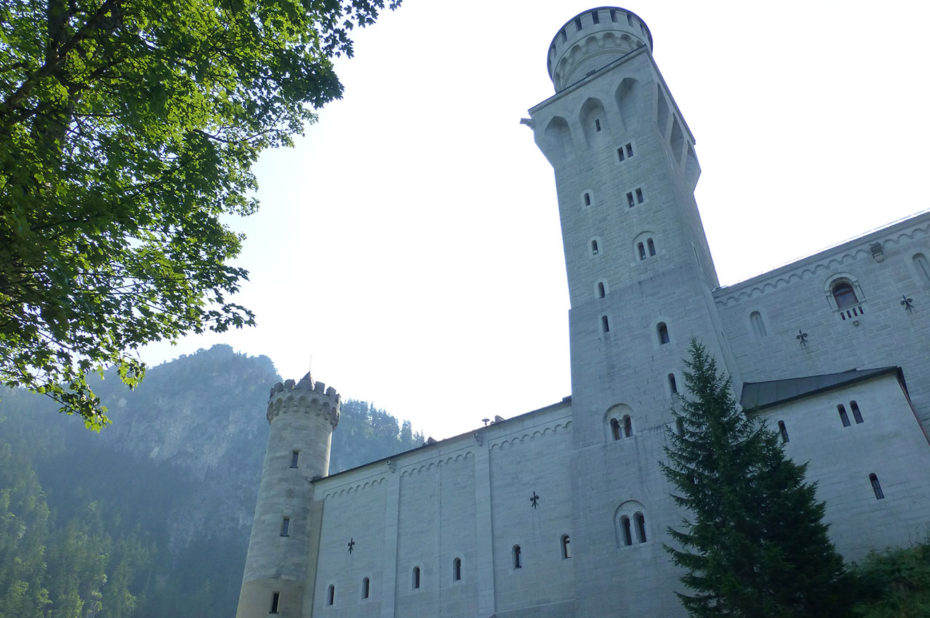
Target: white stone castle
{"type": "Point", "coordinates": [563, 511]}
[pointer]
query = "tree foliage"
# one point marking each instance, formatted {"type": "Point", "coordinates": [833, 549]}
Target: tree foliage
{"type": "Point", "coordinates": [127, 128]}
{"type": "Point", "coordinates": [752, 542]}
{"type": "Point", "coordinates": [894, 583]}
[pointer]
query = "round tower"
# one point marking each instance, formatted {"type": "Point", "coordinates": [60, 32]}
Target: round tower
{"type": "Point", "coordinates": [592, 40]}
{"type": "Point", "coordinates": [302, 417]}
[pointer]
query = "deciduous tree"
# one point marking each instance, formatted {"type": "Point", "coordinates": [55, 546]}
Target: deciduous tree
{"type": "Point", "coordinates": [127, 129]}
{"type": "Point", "coordinates": [753, 541]}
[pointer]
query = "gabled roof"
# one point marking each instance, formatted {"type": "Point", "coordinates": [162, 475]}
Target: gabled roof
{"type": "Point", "coordinates": [759, 395]}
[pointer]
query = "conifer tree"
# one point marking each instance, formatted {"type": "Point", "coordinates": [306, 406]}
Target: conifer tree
{"type": "Point", "coordinates": [752, 541]}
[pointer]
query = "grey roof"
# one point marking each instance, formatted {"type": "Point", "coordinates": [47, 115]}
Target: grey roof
{"type": "Point", "coordinates": [759, 395]}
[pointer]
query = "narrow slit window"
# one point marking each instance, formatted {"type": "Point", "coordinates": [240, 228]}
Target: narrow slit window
{"type": "Point", "coordinates": [566, 549]}
{"type": "Point", "coordinates": [857, 415]}
{"type": "Point", "coordinates": [621, 155]}
{"type": "Point", "coordinates": [457, 570]}
{"type": "Point", "coordinates": [627, 426]}
{"type": "Point", "coordinates": [652, 247]}
{"type": "Point", "coordinates": [331, 595]}
{"type": "Point", "coordinates": [758, 324]}
{"type": "Point", "coordinates": [629, 200]}
{"type": "Point", "coordinates": [640, 520]}
{"type": "Point", "coordinates": [629, 150]}
{"type": "Point", "coordinates": [844, 418]}
{"type": "Point", "coordinates": [662, 331]}
{"type": "Point", "coordinates": [672, 384]}
{"type": "Point", "coordinates": [601, 291]}
{"type": "Point", "coordinates": [876, 487]}
{"type": "Point", "coordinates": [923, 266]}
{"type": "Point", "coordinates": [275, 598]}
{"type": "Point", "coordinates": [366, 588]}
{"type": "Point", "coordinates": [783, 431]}
{"type": "Point", "coordinates": [416, 578]}
{"type": "Point", "coordinates": [605, 324]}
{"type": "Point", "coordinates": [587, 199]}
{"type": "Point", "coordinates": [295, 455]}
{"type": "Point", "coordinates": [517, 557]}
{"type": "Point", "coordinates": [639, 196]}
{"type": "Point", "coordinates": [285, 526]}
{"type": "Point", "coordinates": [626, 530]}
{"type": "Point", "coordinates": [597, 124]}
{"type": "Point", "coordinates": [594, 249]}
{"type": "Point", "coordinates": [642, 250]}
{"type": "Point", "coordinates": [615, 429]}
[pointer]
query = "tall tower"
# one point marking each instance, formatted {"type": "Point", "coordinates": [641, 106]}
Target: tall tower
{"type": "Point", "coordinates": [286, 527]}
{"type": "Point", "coordinates": [640, 276]}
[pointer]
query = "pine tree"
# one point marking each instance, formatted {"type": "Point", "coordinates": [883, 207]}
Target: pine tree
{"type": "Point", "coordinates": [753, 541]}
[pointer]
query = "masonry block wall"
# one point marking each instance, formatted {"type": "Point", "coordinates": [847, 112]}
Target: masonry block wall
{"type": "Point", "coordinates": [563, 511]}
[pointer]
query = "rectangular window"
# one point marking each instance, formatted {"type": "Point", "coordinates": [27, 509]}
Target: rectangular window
{"type": "Point", "coordinates": [285, 525]}
{"type": "Point", "coordinates": [639, 195]}
{"type": "Point", "coordinates": [294, 457]}
{"type": "Point", "coordinates": [629, 200]}
{"type": "Point", "coordinates": [620, 154]}
{"type": "Point", "coordinates": [629, 150]}
{"type": "Point", "coordinates": [844, 418]}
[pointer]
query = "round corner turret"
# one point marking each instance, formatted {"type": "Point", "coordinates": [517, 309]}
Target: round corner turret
{"type": "Point", "coordinates": [591, 40]}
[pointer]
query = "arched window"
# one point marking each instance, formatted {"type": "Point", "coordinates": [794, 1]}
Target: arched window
{"type": "Point", "coordinates": [618, 423]}
{"type": "Point", "coordinates": [652, 247]}
{"type": "Point", "coordinates": [923, 266]}
{"type": "Point", "coordinates": [331, 595]}
{"type": "Point", "coordinates": [594, 249]}
{"type": "Point", "coordinates": [758, 325]}
{"type": "Point", "coordinates": [615, 428]}
{"type": "Point", "coordinates": [517, 557]}
{"type": "Point", "coordinates": [457, 570]}
{"type": "Point", "coordinates": [630, 520]}
{"type": "Point", "coordinates": [876, 487]}
{"type": "Point", "coordinates": [601, 290]}
{"type": "Point", "coordinates": [662, 331]}
{"type": "Point", "coordinates": [857, 415]}
{"type": "Point", "coordinates": [366, 588]}
{"type": "Point", "coordinates": [640, 520]}
{"type": "Point", "coordinates": [642, 250]}
{"type": "Point", "coordinates": [605, 324]}
{"type": "Point", "coordinates": [844, 295]}
{"type": "Point", "coordinates": [783, 431]}
{"type": "Point", "coordinates": [626, 530]}
{"type": "Point", "coordinates": [627, 426]}
{"type": "Point", "coordinates": [416, 578]}
{"type": "Point", "coordinates": [566, 551]}
{"type": "Point", "coordinates": [672, 384]}
{"type": "Point", "coordinates": [844, 418]}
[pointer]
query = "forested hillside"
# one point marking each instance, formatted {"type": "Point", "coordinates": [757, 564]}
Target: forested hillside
{"type": "Point", "coordinates": [151, 516]}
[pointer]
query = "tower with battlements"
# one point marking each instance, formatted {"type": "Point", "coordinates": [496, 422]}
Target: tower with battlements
{"type": "Point", "coordinates": [286, 526]}
{"type": "Point", "coordinates": [563, 511]}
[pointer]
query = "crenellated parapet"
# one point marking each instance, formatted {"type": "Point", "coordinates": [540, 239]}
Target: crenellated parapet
{"type": "Point", "coordinates": [304, 397]}
{"type": "Point", "coordinates": [592, 40]}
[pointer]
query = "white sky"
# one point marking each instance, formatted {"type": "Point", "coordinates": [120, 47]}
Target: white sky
{"type": "Point", "coordinates": [410, 242]}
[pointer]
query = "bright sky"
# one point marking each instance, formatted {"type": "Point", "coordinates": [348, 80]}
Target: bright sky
{"type": "Point", "coordinates": [410, 246]}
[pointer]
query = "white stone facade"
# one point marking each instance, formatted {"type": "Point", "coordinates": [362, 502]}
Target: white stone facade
{"type": "Point", "coordinates": [563, 511]}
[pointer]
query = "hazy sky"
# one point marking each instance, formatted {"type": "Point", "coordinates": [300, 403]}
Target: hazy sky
{"type": "Point", "coordinates": [410, 243]}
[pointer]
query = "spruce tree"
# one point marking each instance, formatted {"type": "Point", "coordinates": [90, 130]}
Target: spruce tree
{"type": "Point", "coordinates": [753, 541]}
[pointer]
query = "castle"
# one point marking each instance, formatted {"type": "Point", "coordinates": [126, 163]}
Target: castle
{"type": "Point", "coordinates": [563, 511]}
